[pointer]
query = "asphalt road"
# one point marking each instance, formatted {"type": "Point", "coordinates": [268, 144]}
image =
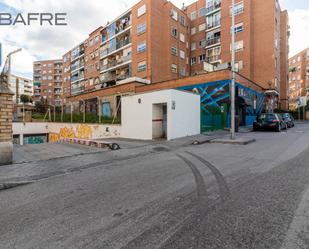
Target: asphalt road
{"type": "Point", "coordinates": [156, 196]}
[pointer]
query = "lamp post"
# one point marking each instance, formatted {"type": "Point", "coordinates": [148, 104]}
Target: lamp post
{"type": "Point", "coordinates": [9, 61]}
{"type": "Point", "coordinates": [232, 91]}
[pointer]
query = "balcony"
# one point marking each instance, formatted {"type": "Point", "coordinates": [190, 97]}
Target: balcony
{"type": "Point", "coordinates": [213, 58]}
{"type": "Point", "coordinates": [116, 63]}
{"type": "Point", "coordinates": [213, 41]}
{"type": "Point", "coordinates": [77, 78]}
{"type": "Point", "coordinates": [58, 92]}
{"type": "Point", "coordinates": [118, 27]}
{"type": "Point", "coordinates": [216, 6]}
{"type": "Point", "coordinates": [77, 90]}
{"type": "Point", "coordinates": [78, 55]}
{"type": "Point", "coordinates": [77, 66]}
{"type": "Point", "coordinates": [123, 76]}
{"type": "Point", "coordinates": [119, 45]}
{"type": "Point", "coordinates": [214, 24]}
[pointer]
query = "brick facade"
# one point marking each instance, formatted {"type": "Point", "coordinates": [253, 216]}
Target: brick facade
{"type": "Point", "coordinates": [6, 112]}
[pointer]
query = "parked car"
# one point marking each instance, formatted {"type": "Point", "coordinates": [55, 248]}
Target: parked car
{"type": "Point", "coordinates": [288, 119]}
{"type": "Point", "coordinates": [269, 121]}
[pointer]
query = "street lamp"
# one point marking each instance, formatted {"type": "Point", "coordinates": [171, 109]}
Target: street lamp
{"type": "Point", "coordinates": [233, 75]}
{"type": "Point", "coordinates": [9, 61]}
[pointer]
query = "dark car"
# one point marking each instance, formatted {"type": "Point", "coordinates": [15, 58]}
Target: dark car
{"type": "Point", "coordinates": [269, 121]}
{"type": "Point", "coordinates": [288, 119]}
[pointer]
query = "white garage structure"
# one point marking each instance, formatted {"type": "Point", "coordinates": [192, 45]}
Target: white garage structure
{"type": "Point", "coordinates": [166, 114]}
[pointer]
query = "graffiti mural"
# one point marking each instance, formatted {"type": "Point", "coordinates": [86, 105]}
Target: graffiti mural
{"type": "Point", "coordinates": [81, 131]}
{"type": "Point", "coordinates": [215, 104]}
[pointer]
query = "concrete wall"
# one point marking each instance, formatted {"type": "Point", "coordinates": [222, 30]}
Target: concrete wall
{"type": "Point", "coordinates": [57, 131]}
{"type": "Point", "coordinates": [137, 114]}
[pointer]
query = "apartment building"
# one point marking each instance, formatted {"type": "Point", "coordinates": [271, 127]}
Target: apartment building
{"type": "Point", "coordinates": [19, 86]}
{"type": "Point", "coordinates": [154, 41]}
{"type": "Point", "coordinates": [149, 43]}
{"type": "Point", "coordinates": [47, 81]}
{"type": "Point", "coordinates": [261, 30]}
{"type": "Point", "coordinates": [298, 77]}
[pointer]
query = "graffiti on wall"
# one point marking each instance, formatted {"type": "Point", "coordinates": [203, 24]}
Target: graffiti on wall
{"type": "Point", "coordinates": [81, 131]}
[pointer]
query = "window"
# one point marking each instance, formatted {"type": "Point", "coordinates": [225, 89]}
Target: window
{"type": "Point", "coordinates": [239, 28]}
{"type": "Point", "coordinates": [213, 20]}
{"type": "Point", "coordinates": [182, 54]}
{"type": "Point", "coordinates": [202, 27]}
{"type": "Point", "coordinates": [142, 66]}
{"type": "Point", "coordinates": [174, 14]}
{"type": "Point", "coordinates": [141, 11]}
{"type": "Point", "coordinates": [182, 37]}
{"type": "Point", "coordinates": [238, 8]}
{"type": "Point", "coordinates": [141, 28]}
{"type": "Point", "coordinates": [174, 50]}
{"type": "Point", "coordinates": [202, 12]}
{"type": "Point", "coordinates": [174, 68]}
{"type": "Point", "coordinates": [141, 47]}
{"type": "Point", "coordinates": [202, 43]}
{"type": "Point", "coordinates": [239, 46]}
{"type": "Point", "coordinates": [238, 66]}
{"type": "Point", "coordinates": [193, 46]}
{"type": "Point", "coordinates": [174, 32]}
{"type": "Point", "coordinates": [202, 57]}
{"type": "Point", "coordinates": [182, 71]}
{"type": "Point", "coordinates": [182, 20]}
{"type": "Point", "coordinates": [298, 58]}
{"type": "Point", "coordinates": [193, 31]}
{"type": "Point", "coordinates": [193, 15]}
{"type": "Point", "coordinates": [193, 60]}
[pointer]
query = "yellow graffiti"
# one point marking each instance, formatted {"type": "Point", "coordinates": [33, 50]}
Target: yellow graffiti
{"type": "Point", "coordinates": [82, 131]}
{"type": "Point", "coordinates": [53, 137]}
{"type": "Point", "coordinates": [67, 133]}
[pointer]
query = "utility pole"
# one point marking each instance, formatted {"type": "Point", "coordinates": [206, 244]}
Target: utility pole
{"type": "Point", "coordinates": [232, 90]}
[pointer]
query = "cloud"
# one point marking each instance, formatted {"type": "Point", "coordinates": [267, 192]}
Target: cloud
{"type": "Point", "coordinates": [299, 23]}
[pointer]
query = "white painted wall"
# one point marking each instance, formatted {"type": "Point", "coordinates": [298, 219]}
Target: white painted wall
{"type": "Point", "coordinates": [97, 131]}
{"type": "Point", "coordinates": [137, 117]}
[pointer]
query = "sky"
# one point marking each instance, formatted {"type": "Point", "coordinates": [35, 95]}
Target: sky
{"type": "Point", "coordinates": [47, 42]}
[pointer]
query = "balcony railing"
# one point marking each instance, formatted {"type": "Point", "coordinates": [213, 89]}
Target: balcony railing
{"type": "Point", "coordinates": [123, 76]}
{"type": "Point", "coordinates": [77, 78]}
{"type": "Point", "coordinates": [74, 67]}
{"type": "Point", "coordinates": [77, 90]}
{"type": "Point", "coordinates": [213, 58]}
{"type": "Point", "coordinates": [213, 24]}
{"type": "Point", "coordinates": [213, 7]}
{"type": "Point", "coordinates": [80, 53]}
{"type": "Point", "coordinates": [119, 45]}
{"type": "Point", "coordinates": [213, 41]}
{"type": "Point", "coordinates": [116, 62]}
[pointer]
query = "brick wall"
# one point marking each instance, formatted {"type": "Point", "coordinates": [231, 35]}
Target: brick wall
{"type": "Point", "coordinates": [6, 110]}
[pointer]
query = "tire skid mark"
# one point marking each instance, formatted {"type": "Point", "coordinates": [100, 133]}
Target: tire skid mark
{"type": "Point", "coordinates": [200, 183]}
{"type": "Point", "coordinates": [222, 184]}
